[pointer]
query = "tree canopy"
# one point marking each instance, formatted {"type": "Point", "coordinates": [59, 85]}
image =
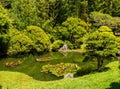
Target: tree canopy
{"type": "Point", "coordinates": [101, 43]}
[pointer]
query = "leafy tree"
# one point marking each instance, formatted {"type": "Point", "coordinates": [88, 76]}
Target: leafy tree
{"type": "Point", "coordinates": [73, 8]}
{"type": "Point", "coordinates": [111, 7]}
{"type": "Point", "coordinates": [99, 19]}
{"type": "Point", "coordinates": [25, 13]}
{"type": "Point", "coordinates": [5, 20]}
{"type": "Point", "coordinates": [101, 43]}
{"type": "Point", "coordinates": [73, 29]}
{"type": "Point", "coordinates": [83, 14]}
{"type": "Point", "coordinates": [39, 38]}
{"type": "Point", "coordinates": [19, 42]}
{"type": "Point", "coordinates": [115, 8]}
{"type": "Point", "coordinates": [118, 41]}
{"type": "Point", "coordinates": [116, 28]}
{"type": "Point", "coordinates": [59, 10]}
{"type": "Point", "coordinates": [5, 24]}
{"type": "Point", "coordinates": [97, 5]}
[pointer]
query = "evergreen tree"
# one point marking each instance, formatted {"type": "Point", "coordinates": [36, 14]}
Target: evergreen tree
{"type": "Point", "coordinates": [101, 43]}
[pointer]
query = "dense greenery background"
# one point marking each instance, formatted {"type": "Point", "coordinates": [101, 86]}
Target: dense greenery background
{"type": "Point", "coordinates": [35, 26]}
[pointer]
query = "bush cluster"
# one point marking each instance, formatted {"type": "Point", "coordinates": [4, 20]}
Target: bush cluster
{"type": "Point", "coordinates": [61, 69]}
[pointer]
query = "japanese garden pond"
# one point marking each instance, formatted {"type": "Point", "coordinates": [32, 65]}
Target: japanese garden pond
{"type": "Point", "coordinates": [32, 67]}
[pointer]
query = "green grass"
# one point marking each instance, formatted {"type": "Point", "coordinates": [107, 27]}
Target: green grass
{"type": "Point", "coordinates": [109, 79]}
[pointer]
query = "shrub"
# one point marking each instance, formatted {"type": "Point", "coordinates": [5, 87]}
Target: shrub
{"type": "Point", "coordinates": [39, 38]}
{"type": "Point", "coordinates": [59, 43]}
{"type": "Point", "coordinates": [56, 45]}
{"type": "Point", "coordinates": [60, 69]}
{"type": "Point", "coordinates": [70, 45]}
{"type": "Point", "coordinates": [118, 41]}
{"type": "Point", "coordinates": [104, 29]}
{"type": "Point", "coordinates": [19, 42]}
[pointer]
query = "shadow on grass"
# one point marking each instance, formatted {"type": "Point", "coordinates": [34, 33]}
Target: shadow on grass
{"type": "Point", "coordinates": [86, 71]}
{"type": "Point", "coordinates": [114, 85]}
{"type": "Point", "coordinates": [0, 87]}
{"type": "Point", "coordinates": [105, 69]}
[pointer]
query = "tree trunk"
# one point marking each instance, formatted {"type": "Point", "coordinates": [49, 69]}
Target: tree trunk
{"type": "Point", "coordinates": [100, 63]}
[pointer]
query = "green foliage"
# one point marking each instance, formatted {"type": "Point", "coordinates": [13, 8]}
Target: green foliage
{"type": "Point", "coordinates": [107, 6]}
{"type": "Point", "coordinates": [5, 25]}
{"type": "Point", "coordinates": [116, 28]}
{"type": "Point", "coordinates": [104, 29]}
{"type": "Point", "coordinates": [100, 5]}
{"type": "Point", "coordinates": [118, 41]}
{"type": "Point", "coordinates": [25, 13]}
{"type": "Point", "coordinates": [4, 39]}
{"type": "Point", "coordinates": [73, 29]}
{"type": "Point", "coordinates": [99, 19]}
{"type": "Point", "coordinates": [56, 45]}
{"type": "Point", "coordinates": [69, 44]}
{"type": "Point", "coordinates": [19, 42]}
{"type": "Point", "coordinates": [60, 19]}
{"type": "Point", "coordinates": [6, 3]}
{"type": "Point", "coordinates": [101, 43]}
{"type": "Point", "coordinates": [39, 38]}
{"type": "Point", "coordinates": [5, 20]}
{"type": "Point", "coordinates": [60, 69]}
{"type": "Point", "coordinates": [115, 8]}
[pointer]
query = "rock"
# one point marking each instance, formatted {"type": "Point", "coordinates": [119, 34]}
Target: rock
{"type": "Point", "coordinates": [64, 48]}
{"type": "Point", "coordinates": [118, 59]}
{"type": "Point", "coordinates": [69, 75]}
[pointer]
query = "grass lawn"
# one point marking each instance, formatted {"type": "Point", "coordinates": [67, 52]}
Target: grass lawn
{"type": "Point", "coordinates": [109, 79]}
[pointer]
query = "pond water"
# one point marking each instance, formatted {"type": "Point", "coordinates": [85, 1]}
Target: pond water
{"type": "Point", "coordinates": [32, 68]}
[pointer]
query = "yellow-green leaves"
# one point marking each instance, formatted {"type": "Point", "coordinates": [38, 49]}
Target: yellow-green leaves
{"type": "Point", "coordinates": [5, 20]}
{"type": "Point", "coordinates": [39, 38]}
{"type": "Point", "coordinates": [19, 42]}
{"type": "Point", "coordinates": [73, 29]}
{"type": "Point", "coordinates": [61, 69]}
{"type": "Point", "coordinates": [102, 42]}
